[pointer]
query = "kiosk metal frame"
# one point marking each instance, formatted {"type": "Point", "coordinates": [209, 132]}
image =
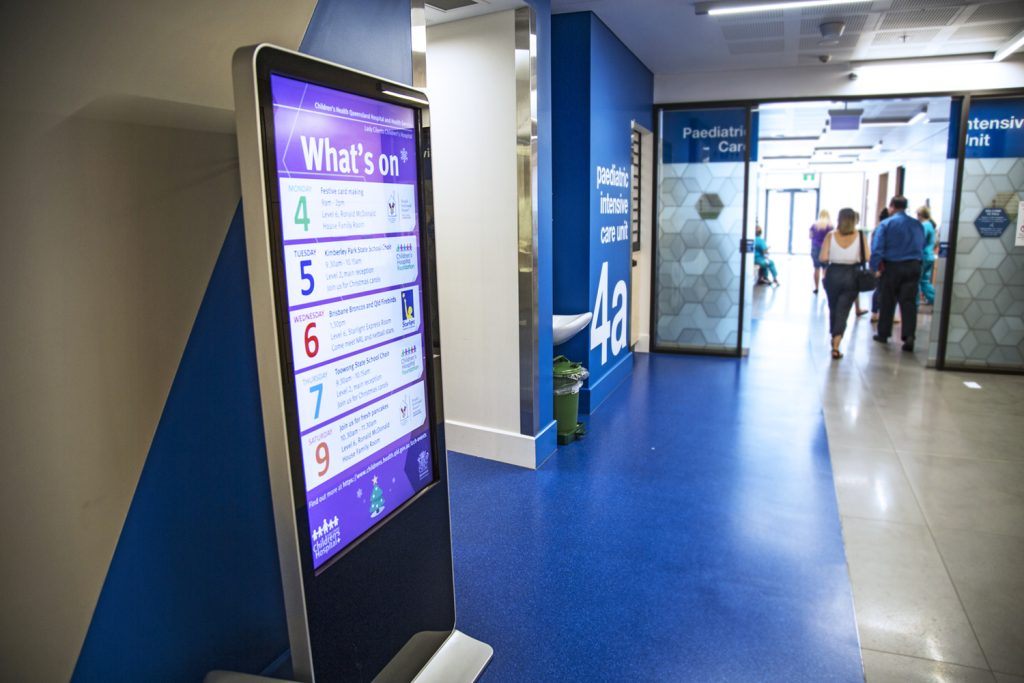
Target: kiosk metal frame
{"type": "Point", "coordinates": [383, 608]}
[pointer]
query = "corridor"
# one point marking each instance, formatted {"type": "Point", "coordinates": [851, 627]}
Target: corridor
{"type": "Point", "coordinates": [694, 534]}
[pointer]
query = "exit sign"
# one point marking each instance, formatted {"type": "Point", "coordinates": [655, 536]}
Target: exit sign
{"type": "Point", "coordinates": [809, 177]}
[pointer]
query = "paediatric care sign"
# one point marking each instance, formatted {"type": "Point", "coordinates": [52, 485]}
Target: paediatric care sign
{"type": "Point", "coordinates": [346, 177]}
{"type": "Point", "coordinates": [706, 136]}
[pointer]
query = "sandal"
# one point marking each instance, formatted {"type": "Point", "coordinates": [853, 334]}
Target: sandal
{"type": "Point", "coordinates": [836, 354]}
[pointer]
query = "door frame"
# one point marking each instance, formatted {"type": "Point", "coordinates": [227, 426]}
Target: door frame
{"type": "Point", "coordinates": [749, 108]}
{"type": "Point", "coordinates": [792, 204]}
{"type": "Point", "coordinates": [963, 97]}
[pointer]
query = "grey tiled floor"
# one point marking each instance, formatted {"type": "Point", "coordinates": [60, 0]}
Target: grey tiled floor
{"type": "Point", "coordinates": [929, 476]}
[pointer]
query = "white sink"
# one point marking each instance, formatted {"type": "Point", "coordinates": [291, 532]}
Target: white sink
{"type": "Point", "coordinates": [565, 327]}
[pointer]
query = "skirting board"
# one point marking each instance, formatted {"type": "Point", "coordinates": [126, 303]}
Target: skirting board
{"type": "Point", "coordinates": [593, 395]}
{"type": "Point", "coordinates": [496, 444]}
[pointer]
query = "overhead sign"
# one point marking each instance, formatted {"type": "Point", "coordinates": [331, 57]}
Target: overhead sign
{"type": "Point", "coordinates": [706, 136]}
{"type": "Point", "coordinates": [992, 222]}
{"type": "Point", "coordinates": [995, 129]}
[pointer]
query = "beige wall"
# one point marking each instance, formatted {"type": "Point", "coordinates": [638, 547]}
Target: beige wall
{"type": "Point", "coordinates": [118, 184]}
{"type": "Point", "coordinates": [471, 86]}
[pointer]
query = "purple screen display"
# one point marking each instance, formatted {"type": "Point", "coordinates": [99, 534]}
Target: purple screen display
{"type": "Point", "coordinates": [346, 174]}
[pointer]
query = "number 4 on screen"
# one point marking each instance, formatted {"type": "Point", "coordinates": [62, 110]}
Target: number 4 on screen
{"type": "Point", "coordinates": [302, 214]}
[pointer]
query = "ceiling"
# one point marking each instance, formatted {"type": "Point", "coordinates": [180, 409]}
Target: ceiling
{"type": "Point", "coordinates": [670, 38]}
{"type": "Point", "coordinates": [798, 134]}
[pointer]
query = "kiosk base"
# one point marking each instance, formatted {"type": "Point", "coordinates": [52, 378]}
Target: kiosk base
{"type": "Point", "coordinates": [460, 659]}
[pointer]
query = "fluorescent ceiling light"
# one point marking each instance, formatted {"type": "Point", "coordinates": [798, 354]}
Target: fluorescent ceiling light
{"type": "Point", "coordinates": [843, 147]}
{"type": "Point", "coordinates": [739, 7]}
{"type": "Point", "coordinates": [800, 104]}
{"type": "Point", "coordinates": [828, 163]}
{"type": "Point", "coordinates": [895, 120]}
{"type": "Point", "coordinates": [404, 96]}
{"type": "Point", "coordinates": [777, 158]}
{"type": "Point", "coordinates": [791, 138]}
{"type": "Point", "coordinates": [937, 60]}
{"type": "Point", "coordinates": [1005, 51]}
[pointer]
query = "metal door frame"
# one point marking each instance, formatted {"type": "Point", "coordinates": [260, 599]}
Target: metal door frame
{"type": "Point", "coordinates": [659, 110]}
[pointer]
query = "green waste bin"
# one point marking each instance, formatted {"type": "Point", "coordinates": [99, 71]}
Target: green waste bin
{"type": "Point", "coordinates": [568, 380]}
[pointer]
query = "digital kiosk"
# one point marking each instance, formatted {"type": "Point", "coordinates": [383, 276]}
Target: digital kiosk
{"type": "Point", "coordinates": [339, 233]}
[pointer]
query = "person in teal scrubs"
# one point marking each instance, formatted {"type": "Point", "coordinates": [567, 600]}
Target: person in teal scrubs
{"type": "Point", "coordinates": [765, 266]}
{"type": "Point", "coordinates": [928, 255]}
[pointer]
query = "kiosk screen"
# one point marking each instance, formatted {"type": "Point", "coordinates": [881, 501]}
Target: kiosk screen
{"type": "Point", "coordinates": [346, 174]}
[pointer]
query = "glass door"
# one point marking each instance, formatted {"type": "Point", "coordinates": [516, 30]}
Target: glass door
{"type": "Point", "coordinates": [788, 218]}
{"type": "Point", "coordinates": [983, 324]}
{"type": "Point", "coordinates": [805, 212]}
{"type": "Point", "coordinates": [699, 269]}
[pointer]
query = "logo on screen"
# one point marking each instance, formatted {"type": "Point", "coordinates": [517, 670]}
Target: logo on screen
{"type": "Point", "coordinates": [326, 536]}
{"type": "Point", "coordinates": [403, 410]}
{"type": "Point", "coordinates": [410, 359]}
{"type": "Point", "coordinates": [408, 309]}
{"type": "Point", "coordinates": [392, 208]}
{"type": "Point", "coordinates": [405, 255]}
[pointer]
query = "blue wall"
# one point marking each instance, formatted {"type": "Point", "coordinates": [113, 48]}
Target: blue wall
{"type": "Point", "coordinates": [375, 37]}
{"type": "Point", "coordinates": [545, 284]}
{"type": "Point", "coordinates": [570, 43]}
{"type": "Point", "coordinates": [599, 89]}
{"type": "Point", "coordinates": [194, 583]}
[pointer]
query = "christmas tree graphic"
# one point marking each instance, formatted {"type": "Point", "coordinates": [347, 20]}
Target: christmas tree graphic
{"type": "Point", "coordinates": [376, 499]}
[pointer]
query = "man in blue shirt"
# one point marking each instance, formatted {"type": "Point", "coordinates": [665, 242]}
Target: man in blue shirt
{"type": "Point", "coordinates": [896, 250]}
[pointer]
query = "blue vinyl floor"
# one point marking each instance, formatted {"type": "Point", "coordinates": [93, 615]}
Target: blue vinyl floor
{"type": "Point", "coordinates": [692, 535]}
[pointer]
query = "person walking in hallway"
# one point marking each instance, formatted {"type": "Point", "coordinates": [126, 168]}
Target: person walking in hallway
{"type": "Point", "coordinates": [896, 253]}
{"type": "Point", "coordinates": [818, 231]}
{"type": "Point", "coordinates": [924, 215]}
{"type": "Point", "coordinates": [876, 295]}
{"type": "Point", "coordinates": [842, 252]}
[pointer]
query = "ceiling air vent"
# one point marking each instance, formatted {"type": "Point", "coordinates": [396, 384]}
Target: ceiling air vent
{"type": "Point", "coordinates": [448, 5]}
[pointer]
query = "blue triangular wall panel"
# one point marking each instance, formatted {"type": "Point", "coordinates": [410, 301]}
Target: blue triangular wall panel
{"type": "Point", "coordinates": [194, 583]}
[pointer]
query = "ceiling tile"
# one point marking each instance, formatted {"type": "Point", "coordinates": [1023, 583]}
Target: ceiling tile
{"type": "Point", "coordinates": [757, 47]}
{"type": "Point", "coordinates": [760, 29]}
{"type": "Point", "coordinates": [853, 23]}
{"type": "Point", "coordinates": [999, 11]}
{"type": "Point", "coordinates": [848, 40]}
{"type": "Point", "coordinates": [898, 5]}
{"type": "Point", "coordinates": [938, 16]}
{"type": "Point", "coordinates": [905, 37]}
{"type": "Point", "coordinates": [999, 31]}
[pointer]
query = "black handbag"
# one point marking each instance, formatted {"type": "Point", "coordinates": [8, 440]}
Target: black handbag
{"type": "Point", "coordinates": [866, 280]}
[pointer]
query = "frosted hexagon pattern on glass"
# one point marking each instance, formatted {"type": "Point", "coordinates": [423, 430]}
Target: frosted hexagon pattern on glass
{"type": "Point", "coordinates": [702, 308]}
{"type": "Point", "coordinates": [986, 328]}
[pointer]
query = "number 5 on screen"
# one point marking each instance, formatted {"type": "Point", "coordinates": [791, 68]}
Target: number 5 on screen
{"type": "Point", "coordinates": [307, 277]}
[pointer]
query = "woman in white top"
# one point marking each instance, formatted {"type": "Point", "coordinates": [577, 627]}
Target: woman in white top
{"type": "Point", "coordinates": [841, 254]}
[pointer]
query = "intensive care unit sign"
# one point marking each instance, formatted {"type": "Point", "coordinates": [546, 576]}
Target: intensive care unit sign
{"type": "Point", "coordinates": [346, 180]}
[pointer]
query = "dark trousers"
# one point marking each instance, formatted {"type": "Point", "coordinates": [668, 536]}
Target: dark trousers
{"type": "Point", "coordinates": [841, 290]}
{"type": "Point", "coordinates": [898, 285]}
